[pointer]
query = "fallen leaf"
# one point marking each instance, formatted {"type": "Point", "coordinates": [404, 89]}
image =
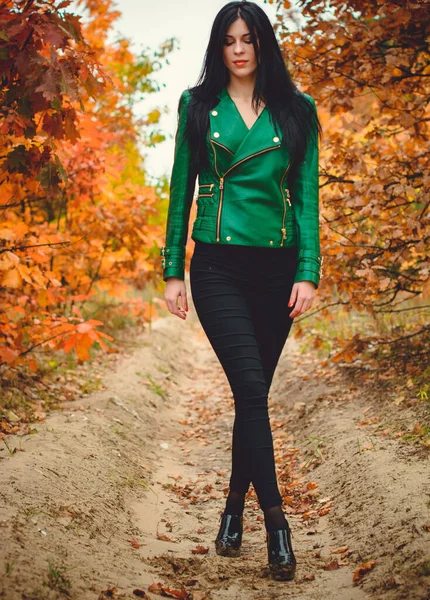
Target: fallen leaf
{"type": "Point", "coordinates": [159, 588]}
{"type": "Point", "coordinates": [418, 429]}
{"type": "Point", "coordinates": [311, 485]}
{"type": "Point", "coordinates": [136, 544]}
{"type": "Point", "coordinates": [156, 588]}
{"type": "Point", "coordinates": [200, 550]}
{"type": "Point", "coordinates": [340, 550]}
{"type": "Point", "coordinates": [363, 569]}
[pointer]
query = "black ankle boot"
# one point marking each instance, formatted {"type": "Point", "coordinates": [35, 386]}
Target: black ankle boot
{"type": "Point", "coordinates": [229, 538]}
{"type": "Point", "coordinates": [282, 562]}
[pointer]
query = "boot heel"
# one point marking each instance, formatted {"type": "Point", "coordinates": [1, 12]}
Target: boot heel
{"type": "Point", "coordinates": [229, 538]}
{"type": "Point", "coordinates": [282, 562]}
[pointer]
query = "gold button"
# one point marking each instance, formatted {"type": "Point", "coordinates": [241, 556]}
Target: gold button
{"type": "Point", "coordinates": [228, 238]}
{"type": "Point", "coordinates": [214, 112]}
{"type": "Point", "coordinates": [271, 241]}
{"type": "Point", "coordinates": [216, 134]}
{"type": "Point", "coordinates": [276, 139]}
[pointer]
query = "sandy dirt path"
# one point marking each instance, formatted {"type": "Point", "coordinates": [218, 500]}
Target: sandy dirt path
{"type": "Point", "coordinates": [123, 489]}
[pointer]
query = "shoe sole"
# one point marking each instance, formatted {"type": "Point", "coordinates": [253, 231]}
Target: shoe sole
{"type": "Point", "coordinates": [225, 551]}
{"type": "Point", "coordinates": [280, 573]}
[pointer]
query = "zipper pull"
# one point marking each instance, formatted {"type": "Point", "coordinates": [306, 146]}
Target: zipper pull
{"type": "Point", "coordinates": [288, 196]}
{"type": "Point", "coordinates": [284, 234]}
{"type": "Point", "coordinates": [212, 184]}
{"type": "Point", "coordinates": [221, 183]}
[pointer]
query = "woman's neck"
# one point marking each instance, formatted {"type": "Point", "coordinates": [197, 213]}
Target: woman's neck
{"type": "Point", "coordinates": [241, 88]}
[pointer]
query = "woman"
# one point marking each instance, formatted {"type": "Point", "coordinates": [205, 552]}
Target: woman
{"type": "Point", "coordinates": [252, 139]}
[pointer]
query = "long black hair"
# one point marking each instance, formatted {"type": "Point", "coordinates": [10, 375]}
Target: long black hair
{"type": "Point", "coordinates": [288, 107]}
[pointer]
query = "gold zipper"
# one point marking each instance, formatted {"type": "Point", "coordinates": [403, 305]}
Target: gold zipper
{"type": "Point", "coordinates": [206, 194]}
{"type": "Point", "coordinates": [221, 182]}
{"type": "Point", "coordinates": [283, 230]}
{"type": "Point", "coordinates": [225, 147]}
{"type": "Point", "coordinates": [221, 187]}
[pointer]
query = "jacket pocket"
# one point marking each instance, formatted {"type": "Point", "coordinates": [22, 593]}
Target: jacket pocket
{"type": "Point", "coordinates": [205, 198]}
{"type": "Point", "coordinates": [204, 223]}
{"type": "Point", "coordinates": [205, 190]}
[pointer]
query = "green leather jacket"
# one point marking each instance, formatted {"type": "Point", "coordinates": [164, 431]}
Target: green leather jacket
{"type": "Point", "coordinates": [243, 197]}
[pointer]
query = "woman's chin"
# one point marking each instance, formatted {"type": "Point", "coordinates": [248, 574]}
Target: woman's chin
{"type": "Point", "coordinates": [241, 71]}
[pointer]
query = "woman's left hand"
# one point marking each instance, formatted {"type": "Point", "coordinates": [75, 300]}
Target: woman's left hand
{"type": "Point", "coordinates": [302, 294]}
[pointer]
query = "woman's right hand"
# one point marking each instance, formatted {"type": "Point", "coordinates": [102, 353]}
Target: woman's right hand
{"type": "Point", "coordinates": [175, 288]}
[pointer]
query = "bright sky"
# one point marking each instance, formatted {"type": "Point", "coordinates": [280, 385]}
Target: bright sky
{"type": "Point", "coordinates": [149, 23]}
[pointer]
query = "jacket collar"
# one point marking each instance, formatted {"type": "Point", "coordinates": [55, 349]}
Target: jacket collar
{"type": "Point", "coordinates": [229, 131]}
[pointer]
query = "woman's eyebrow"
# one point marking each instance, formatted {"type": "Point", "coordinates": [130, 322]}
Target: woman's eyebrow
{"type": "Point", "coordinates": [228, 35]}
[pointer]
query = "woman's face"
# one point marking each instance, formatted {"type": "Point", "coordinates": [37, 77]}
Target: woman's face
{"type": "Point", "coordinates": [238, 47]}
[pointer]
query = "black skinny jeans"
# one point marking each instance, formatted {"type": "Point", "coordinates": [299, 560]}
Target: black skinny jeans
{"type": "Point", "coordinates": [241, 295]}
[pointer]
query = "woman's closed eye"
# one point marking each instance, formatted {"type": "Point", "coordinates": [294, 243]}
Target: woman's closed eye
{"type": "Point", "coordinates": [227, 43]}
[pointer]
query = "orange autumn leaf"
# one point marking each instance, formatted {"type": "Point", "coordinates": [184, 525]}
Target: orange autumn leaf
{"type": "Point", "coordinates": [311, 485]}
{"type": "Point", "coordinates": [340, 550]}
{"type": "Point", "coordinates": [135, 543]}
{"type": "Point", "coordinates": [159, 588]}
{"type": "Point", "coordinates": [363, 569]}
{"type": "Point", "coordinates": [200, 550]}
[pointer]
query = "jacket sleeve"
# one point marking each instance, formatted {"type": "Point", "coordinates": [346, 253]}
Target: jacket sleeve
{"type": "Point", "coordinates": [182, 184]}
{"type": "Point", "coordinates": [305, 196]}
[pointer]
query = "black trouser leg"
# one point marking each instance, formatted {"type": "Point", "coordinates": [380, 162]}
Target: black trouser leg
{"type": "Point", "coordinates": [240, 295]}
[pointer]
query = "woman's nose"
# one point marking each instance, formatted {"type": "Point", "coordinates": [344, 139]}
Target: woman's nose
{"type": "Point", "coordinates": [238, 49]}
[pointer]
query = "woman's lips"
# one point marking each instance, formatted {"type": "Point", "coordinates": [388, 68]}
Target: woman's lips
{"type": "Point", "coordinates": [240, 63]}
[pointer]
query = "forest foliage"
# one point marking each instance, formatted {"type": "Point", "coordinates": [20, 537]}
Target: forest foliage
{"type": "Point", "coordinates": [366, 62]}
{"type": "Point", "coordinates": [78, 218]}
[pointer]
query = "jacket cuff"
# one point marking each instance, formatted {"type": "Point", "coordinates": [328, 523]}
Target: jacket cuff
{"type": "Point", "coordinates": [173, 261]}
{"type": "Point", "coordinates": [309, 268]}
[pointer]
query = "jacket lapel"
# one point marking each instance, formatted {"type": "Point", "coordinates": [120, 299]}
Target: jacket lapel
{"type": "Point", "coordinates": [261, 137]}
{"type": "Point", "coordinates": [233, 138]}
{"type": "Point", "coordinates": [227, 128]}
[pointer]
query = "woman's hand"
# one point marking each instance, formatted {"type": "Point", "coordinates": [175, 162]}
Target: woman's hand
{"type": "Point", "coordinates": [302, 294]}
{"type": "Point", "coordinates": [175, 288]}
